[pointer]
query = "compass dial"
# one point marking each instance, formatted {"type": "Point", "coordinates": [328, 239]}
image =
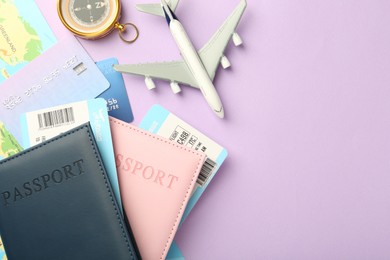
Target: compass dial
{"type": "Point", "coordinates": [89, 18]}
{"type": "Point", "coordinates": [89, 12]}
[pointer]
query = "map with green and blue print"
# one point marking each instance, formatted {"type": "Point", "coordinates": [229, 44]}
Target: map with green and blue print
{"type": "Point", "coordinates": [24, 35]}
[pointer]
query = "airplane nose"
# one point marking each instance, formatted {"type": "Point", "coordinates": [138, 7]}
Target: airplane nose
{"type": "Point", "coordinates": [220, 113]}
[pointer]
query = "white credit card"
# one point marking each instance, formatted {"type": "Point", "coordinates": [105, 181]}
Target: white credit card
{"type": "Point", "coordinates": [65, 73]}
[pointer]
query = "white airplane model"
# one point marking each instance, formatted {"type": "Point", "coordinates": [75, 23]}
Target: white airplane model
{"type": "Point", "coordinates": [197, 69]}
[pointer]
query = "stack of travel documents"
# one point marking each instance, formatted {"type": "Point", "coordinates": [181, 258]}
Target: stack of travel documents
{"type": "Point", "coordinates": [65, 130]}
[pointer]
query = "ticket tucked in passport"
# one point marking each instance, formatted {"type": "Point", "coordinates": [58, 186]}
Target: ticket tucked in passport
{"type": "Point", "coordinates": [41, 125]}
{"type": "Point", "coordinates": [160, 121]}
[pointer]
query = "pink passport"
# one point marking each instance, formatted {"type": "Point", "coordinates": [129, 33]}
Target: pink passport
{"type": "Point", "coordinates": [156, 177]}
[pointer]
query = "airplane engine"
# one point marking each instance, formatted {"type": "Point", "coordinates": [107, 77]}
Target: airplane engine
{"type": "Point", "coordinates": [149, 83]}
{"type": "Point", "coordinates": [175, 87]}
{"type": "Point", "coordinates": [225, 62]}
{"type": "Point", "coordinates": [237, 39]}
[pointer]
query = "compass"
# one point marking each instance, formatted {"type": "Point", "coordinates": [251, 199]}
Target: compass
{"type": "Point", "coordinates": [93, 19]}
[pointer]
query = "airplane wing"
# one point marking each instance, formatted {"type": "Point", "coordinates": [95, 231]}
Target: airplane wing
{"type": "Point", "coordinates": [156, 9]}
{"type": "Point", "coordinates": [212, 52]}
{"type": "Point", "coordinates": [176, 71]}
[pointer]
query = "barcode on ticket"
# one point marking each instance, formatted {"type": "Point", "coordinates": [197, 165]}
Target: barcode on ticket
{"type": "Point", "coordinates": [56, 118]}
{"type": "Point", "coordinates": [207, 169]}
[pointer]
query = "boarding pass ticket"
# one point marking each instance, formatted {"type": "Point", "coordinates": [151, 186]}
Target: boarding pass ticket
{"type": "Point", "coordinates": [161, 122]}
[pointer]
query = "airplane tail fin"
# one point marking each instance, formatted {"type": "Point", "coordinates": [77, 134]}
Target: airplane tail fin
{"type": "Point", "coordinates": [156, 9]}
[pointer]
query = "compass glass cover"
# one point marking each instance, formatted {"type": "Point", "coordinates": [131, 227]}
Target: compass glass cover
{"type": "Point", "coordinates": [89, 18]}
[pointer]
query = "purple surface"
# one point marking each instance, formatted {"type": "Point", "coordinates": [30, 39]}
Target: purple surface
{"type": "Point", "coordinates": [307, 125]}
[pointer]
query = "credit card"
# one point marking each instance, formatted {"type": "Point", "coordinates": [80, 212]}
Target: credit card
{"type": "Point", "coordinates": [118, 104]}
{"type": "Point", "coordinates": [65, 73]}
{"type": "Point", "coordinates": [40, 125]}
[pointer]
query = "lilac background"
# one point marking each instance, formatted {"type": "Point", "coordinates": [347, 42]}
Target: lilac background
{"type": "Point", "coordinates": [307, 125]}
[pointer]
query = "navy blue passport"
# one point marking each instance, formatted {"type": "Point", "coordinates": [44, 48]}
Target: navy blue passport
{"type": "Point", "coordinates": [56, 202]}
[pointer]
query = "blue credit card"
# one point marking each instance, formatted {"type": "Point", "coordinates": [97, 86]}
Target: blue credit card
{"type": "Point", "coordinates": [118, 104]}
